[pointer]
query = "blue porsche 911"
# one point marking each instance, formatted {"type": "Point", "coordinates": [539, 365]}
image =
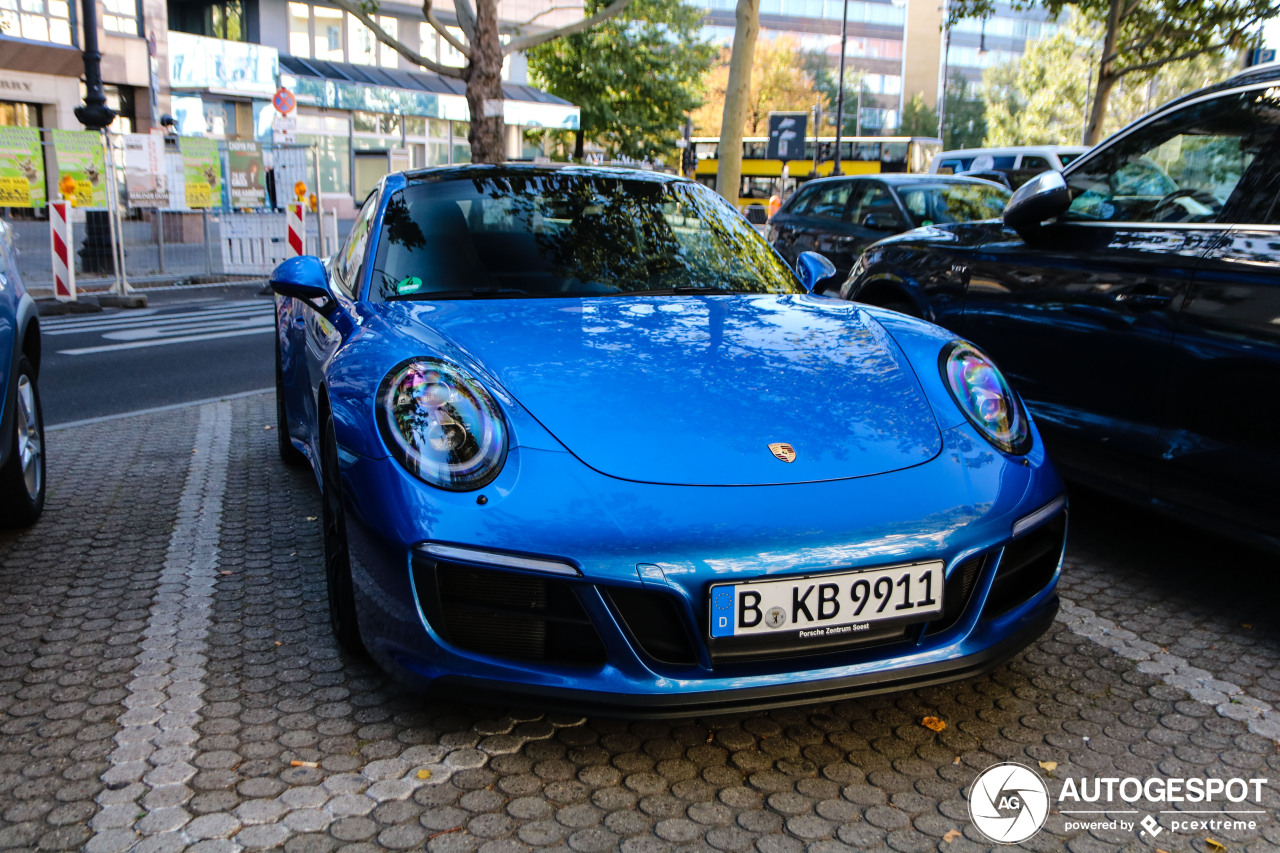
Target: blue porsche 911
{"type": "Point", "coordinates": [583, 438]}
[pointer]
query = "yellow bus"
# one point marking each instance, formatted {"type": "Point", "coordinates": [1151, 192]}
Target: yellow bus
{"type": "Point", "coordinates": [859, 155]}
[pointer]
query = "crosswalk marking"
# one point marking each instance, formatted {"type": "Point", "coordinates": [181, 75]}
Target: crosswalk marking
{"type": "Point", "coordinates": [153, 327]}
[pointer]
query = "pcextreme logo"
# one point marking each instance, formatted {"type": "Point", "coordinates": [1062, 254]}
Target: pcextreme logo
{"type": "Point", "coordinates": [1008, 803]}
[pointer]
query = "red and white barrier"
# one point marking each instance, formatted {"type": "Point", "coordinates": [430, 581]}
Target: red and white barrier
{"type": "Point", "coordinates": [64, 265]}
{"type": "Point", "coordinates": [295, 219]}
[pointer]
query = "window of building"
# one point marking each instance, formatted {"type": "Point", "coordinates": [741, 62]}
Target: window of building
{"type": "Point", "coordinates": [16, 114]}
{"type": "Point", "coordinates": [300, 30]}
{"type": "Point", "coordinates": [362, 47]}
{"type": "Point", "coordinates": [328, 34]}
{"type": "Point", "coordinates": [387, 56]}
{"type": "Point", "coordinates": [37, 20]}
{"type": "Point", "coordinates": [119, 16]}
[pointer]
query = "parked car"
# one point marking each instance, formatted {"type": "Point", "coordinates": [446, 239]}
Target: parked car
{"type": "Point", "coordinates": [1015, 159]}
{"type": "Point", "coordinates": [22, 486]}
{"type": "Point", "coordinates": [582, 436]}
{"type": "Point", "coordinates": [1134, 301]}
{"type": "Point", "coordinates": [839, 217]}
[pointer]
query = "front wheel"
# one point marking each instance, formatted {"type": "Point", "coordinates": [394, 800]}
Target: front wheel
{"type": "Point", "coordinates": [22, 477]}
{"type": "Point", "coordinates": [337, 554]}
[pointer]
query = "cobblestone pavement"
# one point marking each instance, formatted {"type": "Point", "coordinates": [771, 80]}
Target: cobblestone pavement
{"type": "Point", "coordinates": [168, 681]}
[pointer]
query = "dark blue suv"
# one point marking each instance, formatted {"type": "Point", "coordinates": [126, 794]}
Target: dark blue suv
{"type": "Point", "coordinates": [1134, 301]}
{"type": "Point", "coordinates": [21, 428]}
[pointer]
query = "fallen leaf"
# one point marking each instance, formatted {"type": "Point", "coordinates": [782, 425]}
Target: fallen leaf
{"type": "Point", "coordinates": [424, 774]}
{"type": "Point", "coordinates": [957, 761]}
{"type": "Point", "coordinates": [278, 643]}
{"type": "Point", "coordinates": [1215, 846]}
{"type": "Point", "coordinates": [445, 832]}
{"type": "Point", "coordinates": [933, 724]}
{"type": "Point", "coordinates": [311, 518]}
{"type": "Point", "coordinates": [1247, 626]}
{"type": "Point", "coordinates": [952, 835]}
{"type": "Point", "coordinates": [1048, 766]}
{"type": "Point", "coordinates": [303, 764]}
{"type": "Point", "coordinates": [268, 426]}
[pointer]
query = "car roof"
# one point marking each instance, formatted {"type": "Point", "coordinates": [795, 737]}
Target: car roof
{"type": "Point", "coordinates": [1013, 149]}
{"type": "Point", "coordinates": [511, 170]}
{"type": "Point", "coordinates": [902, 178]}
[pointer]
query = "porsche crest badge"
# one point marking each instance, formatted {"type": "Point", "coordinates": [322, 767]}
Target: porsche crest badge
{"type": "Point", "coordinates": [783, 451]}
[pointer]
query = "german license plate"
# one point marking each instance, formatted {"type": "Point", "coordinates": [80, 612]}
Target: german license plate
{"type": "Point", "coordinates": [828, 605]}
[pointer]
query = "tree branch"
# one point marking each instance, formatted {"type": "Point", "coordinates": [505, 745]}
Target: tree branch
{"type": "Point", "coordinates": [395, 44]}
{"type": "Point", "coordinates": [465, 13]}
{"type": "Point", "coordinates": [430, 15]}
{"type": "Point", "coordinates": [1156, 63]}
{"type": "Point", "coordinates": [531, 41]}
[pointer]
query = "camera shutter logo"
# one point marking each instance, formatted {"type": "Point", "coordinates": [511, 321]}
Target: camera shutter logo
{"type": "Point", "coordinates": [1008, 803]}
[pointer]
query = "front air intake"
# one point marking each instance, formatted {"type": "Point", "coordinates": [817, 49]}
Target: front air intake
{"type": "Point", "coordinates": [506, 614]}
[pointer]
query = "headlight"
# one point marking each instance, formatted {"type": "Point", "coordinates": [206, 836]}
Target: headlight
{"type": "Point", "coordinates": [442, 425]}
{"type": "Point", "coordinates": [985, 398]}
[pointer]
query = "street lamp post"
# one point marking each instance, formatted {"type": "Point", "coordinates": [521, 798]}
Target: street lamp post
{"type": "Point", "coordinates": [844, 36]}
{"type": "Point", "coordinates": [942, 84]}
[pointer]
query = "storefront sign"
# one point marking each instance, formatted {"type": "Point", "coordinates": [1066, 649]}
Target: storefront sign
{"type": "Point", "coordinates": [196, 62]}
{"type": "Point", "coordinates": [21, 168]}
{"type": "Point", "coordinates": [245, 174]}
{"type": "Point", "coordinates": [202, 171]}
{"type": "Point", "coordinates": [82, 170]}
{"type": "Point", "coordinates": [145, 178]}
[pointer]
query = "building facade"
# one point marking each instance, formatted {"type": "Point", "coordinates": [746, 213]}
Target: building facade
{"type": "Point", "coordinates": [900, 47]}
{"type": "Point", "coordinates": [210, 68]}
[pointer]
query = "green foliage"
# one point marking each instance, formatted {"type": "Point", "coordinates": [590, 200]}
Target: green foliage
{"type": "Point", "coordinates": [635, 76]}
{"type": "Point", "coordinates": [824, 76]}
{"type": "Point", "coordinates": [918, 119]}
{"type": "Point", "coordinates": [965, 123]}
{"type": "Point", "coordinates": [1043, 97]}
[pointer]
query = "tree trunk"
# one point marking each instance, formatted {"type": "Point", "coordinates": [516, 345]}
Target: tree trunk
{"type": "Point", "coordinates": [736, 98]}
{"type": "Point", "coordinates": [1107, 77]}
{"type": "Point", "coordinates": [484, 88]}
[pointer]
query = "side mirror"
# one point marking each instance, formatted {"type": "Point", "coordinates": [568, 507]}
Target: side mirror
{"type": "Point", "coordinates": [1042, 198]}
{"type": "Point", "coordinates": [813, 268]}
{"type": "Point", "coordinates": [304, 278]}
{"type": "Point", "coordinates": [880, 222]}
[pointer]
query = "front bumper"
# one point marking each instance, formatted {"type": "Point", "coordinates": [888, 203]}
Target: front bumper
{"type": "Point", "coordinates": [959, 508]}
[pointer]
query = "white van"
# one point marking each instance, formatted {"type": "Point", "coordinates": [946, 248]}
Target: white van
{"type": "Point", "coordinates": [1029, 158]}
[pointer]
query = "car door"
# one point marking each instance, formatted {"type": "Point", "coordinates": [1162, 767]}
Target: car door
{"type": "Point", "coordinates": [1081, 316]}
{"type": "Point", "coordinates": [814, 221]}
{"type": "Point", "coordinates": [1220, 455]}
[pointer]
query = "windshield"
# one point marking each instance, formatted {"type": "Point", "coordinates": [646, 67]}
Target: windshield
{"type": "Point", "coordinates": [932, 204]}
{"type": "Point", "coordinates": [567, 235]}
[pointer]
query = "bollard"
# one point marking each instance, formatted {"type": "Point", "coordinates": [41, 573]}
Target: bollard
{"type": "Point", "coordinates": [296, 222]}
{"type": "Point", "coordinates": [64, 265]}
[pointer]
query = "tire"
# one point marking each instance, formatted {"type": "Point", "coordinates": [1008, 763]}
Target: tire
{"type": "Point", "coordinates": [290, 455]}
{"type": "Point", "coordinates": [22, 484]}
{"type": "Point", "coordinates": [337, 553]}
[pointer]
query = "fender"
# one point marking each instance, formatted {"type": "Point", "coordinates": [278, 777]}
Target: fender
{"type": "Point", "coordinates": [26, 322]}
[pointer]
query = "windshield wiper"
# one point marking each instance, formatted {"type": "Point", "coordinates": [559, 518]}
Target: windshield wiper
{"type": "Point", "coordinates": [475, 293]}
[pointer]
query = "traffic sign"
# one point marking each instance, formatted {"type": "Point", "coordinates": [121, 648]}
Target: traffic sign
{"type": "Point", "coordinates": [786, 136]}
{"type": "Point", "coordinates": [284, 101]}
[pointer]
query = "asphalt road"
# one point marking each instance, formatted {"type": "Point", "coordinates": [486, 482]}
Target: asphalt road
{"type": "Point", "coordinates": [188, 344]}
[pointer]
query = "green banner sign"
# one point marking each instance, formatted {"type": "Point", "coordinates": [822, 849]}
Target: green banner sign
{"type": "Point", "coordinates": [202, 169]}
{"type": "Point", "coordinates": [82, 167]}
{"type": "Point", "coordinates": [21, 168]}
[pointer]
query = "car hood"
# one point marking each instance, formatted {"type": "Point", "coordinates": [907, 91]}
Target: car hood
{"type": "Point", "coordinates": [693, 390]}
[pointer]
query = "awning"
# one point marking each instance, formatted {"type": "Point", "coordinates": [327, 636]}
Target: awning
{"type": "Point", "coordinates": [343, 86]}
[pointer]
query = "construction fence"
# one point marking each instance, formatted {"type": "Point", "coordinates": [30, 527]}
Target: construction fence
{"type": "Point", "coordinates": [212, 209]}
